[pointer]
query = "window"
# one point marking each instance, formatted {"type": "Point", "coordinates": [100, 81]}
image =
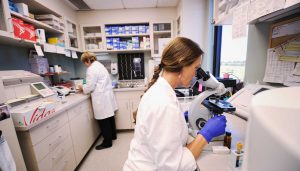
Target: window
{"type": "Point", "coordinates": [233, 54]}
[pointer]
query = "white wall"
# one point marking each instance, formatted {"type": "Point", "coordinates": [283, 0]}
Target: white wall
{"type": "Point", "coordinates": [195, 22]}
{"type": "Point", "coordinates": [61, 7]}
{"type": "Point", "coordinates": [126, 15]}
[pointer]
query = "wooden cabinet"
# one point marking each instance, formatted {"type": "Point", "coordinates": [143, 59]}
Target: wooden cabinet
{"type": "Point", "coordinates": [61, 142]}
{"type": "Point", "coordinates": [127, 103]}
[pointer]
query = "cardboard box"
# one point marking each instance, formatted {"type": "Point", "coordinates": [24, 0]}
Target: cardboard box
{"type": "Point", "coordinates": [22, 8]}
{"type": "Point", "coordinates": [18, 25]}
{"type": "Point", "coordinates": [29, 32]}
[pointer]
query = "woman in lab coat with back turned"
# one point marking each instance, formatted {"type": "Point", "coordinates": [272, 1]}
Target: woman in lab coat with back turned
{"type": "Point", "coordinates": [161, 134]}
{"type": "Point", "coordinates": [99, 84]}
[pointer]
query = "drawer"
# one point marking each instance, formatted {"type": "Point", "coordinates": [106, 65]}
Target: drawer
{"type": "Point", "coordinates": [52, 142]}
{"type": "Point", "coordinates": [54, 160]}
{"type": "Point", "coordinates": [45, 129]}
{"type": "Point", "coordinates": [67, 163]}
{"type": "Point", "coordinates": [74, 111]}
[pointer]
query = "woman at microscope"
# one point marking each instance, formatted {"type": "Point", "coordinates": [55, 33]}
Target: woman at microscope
{"type": "Point", "coordinates": [161, 134]}
{"type": "Point", "coordinates": [98, 83]}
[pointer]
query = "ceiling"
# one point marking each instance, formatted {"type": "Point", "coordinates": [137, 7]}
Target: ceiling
{"type": "Point", "coordinates": [120, 4]}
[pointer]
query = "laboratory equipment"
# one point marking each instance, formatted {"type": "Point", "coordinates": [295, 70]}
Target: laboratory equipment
{"type": "Point", "coordinates": [42, 89]}
{"type": "Point", "coordinates": [76, 82]}
{"type": "Point", "coordinates": [199, 114]}
{"type": "Point", "coordinates": [272, 137]}
{"type": "Point", "coordinates": [241, 100]}
{"type": "Point", "coordinates": [227, 140]}
{"type": "Point", "coordinates": [15, 84]}
{"type": "Point", "coordinates": [61, 90]}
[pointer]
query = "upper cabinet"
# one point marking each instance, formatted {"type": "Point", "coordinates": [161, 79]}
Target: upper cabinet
{"type": "Point", "coordinates": [72, 35]}
{"type": "Point", "coordinates": [162, 33]}
{"type": "Point", "coordinates": [92, 38]}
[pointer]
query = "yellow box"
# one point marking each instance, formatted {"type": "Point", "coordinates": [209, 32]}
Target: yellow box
{"type": "Point", "coordinates": [53, 40]}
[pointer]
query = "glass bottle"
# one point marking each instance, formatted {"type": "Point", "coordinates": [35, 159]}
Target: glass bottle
{"type": "Point", "coordinates": [227, 139]}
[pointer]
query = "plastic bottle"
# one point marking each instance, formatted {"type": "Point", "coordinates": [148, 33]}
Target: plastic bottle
{"type": "Point", "coordinates": [227, 139]}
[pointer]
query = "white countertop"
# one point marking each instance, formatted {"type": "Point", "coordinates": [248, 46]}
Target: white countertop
{"type": "Point", "coordinates": [71, 101]}
{"type": "Point", "coordinates": [208, 161]}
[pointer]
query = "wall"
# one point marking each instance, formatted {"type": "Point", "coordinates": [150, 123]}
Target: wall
{"type": "Point", "coordinates": [258, 38]}
{"type": "Point", "coordinates": [126, 15]}
{"type": "Point", "coordinates": [16, 58]}
{"type": "Point", "coordinates": [196, 17]}
{"type": "Point", "coordinates": [123, 16]}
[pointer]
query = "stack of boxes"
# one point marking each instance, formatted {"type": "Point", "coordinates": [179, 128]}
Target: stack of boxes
{"type": "Point", "coordinates": [127, 43]}
{"type": "Point", "coordinates": [135, 42]}
{"type": "Point", "coordinates": [126, 29]}
{"type": "Point", "coordinates": [51, 20]}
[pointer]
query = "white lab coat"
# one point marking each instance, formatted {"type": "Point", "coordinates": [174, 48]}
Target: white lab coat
{"type": "Point", "coordinates": [161, 133]}
{"type": "Point", "coordinates": [98, 83]}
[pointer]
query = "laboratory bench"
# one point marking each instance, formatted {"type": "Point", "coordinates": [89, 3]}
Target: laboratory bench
{"type": "Point", "coordinates": [60, 141]}
{"type": "Point", "coordinates": [209, 161]}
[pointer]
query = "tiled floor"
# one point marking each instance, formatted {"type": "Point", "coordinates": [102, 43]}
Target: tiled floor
{"type": "Point", "coordinates": [111, 159]}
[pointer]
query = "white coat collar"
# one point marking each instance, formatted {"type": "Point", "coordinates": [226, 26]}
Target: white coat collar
{"type": "Point", "coordinates": [162, 81]}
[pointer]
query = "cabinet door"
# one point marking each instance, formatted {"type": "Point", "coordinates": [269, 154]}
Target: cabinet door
{"type": "Point", "coordinates": [123, 114]}
{"type": "Point", "coordinates": [134, 106]}
{"type": "Point", "coordinates": [81, 133]}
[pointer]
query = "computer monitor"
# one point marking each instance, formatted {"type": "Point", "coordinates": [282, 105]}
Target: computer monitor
{"type": "Point", "coordinates": [273, 133]}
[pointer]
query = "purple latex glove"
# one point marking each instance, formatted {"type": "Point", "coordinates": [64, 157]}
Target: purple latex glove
{"type": "Point", "coordinates": [214, 127]}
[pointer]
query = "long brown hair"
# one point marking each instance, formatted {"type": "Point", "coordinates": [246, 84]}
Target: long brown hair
{"type": "Point", "coordinates": [180, 52]}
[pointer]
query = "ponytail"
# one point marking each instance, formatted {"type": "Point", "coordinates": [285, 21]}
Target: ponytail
{"type": "Point", "coordinates": [155, 77]}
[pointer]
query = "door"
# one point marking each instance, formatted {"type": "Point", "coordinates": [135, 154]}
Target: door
{"type": "Point", "coordinates": [134, 105]}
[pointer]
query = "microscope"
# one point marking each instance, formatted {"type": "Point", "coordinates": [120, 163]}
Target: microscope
{"type": "Point", "coordinates": [199, 114]}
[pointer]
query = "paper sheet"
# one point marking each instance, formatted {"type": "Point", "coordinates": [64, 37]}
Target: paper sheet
{"type": "Point", "coordinates": [49, 48]}
{"type": "Point", "coordinates": [289, 3]}
{"type": "Point", "coordinates": [74, 55]}
{"type": "Point", "coordinates": [277, 71]}
{"type": "Point", "coordinates": [259, 8]}
{"type": "Point", "coordinates": [296, 70]}
{"type": "Point", "coordinates": [68, 53]}
{"type": "Point", "coordinates": [38, 50]}
{"type": "Point", "coordinates": [286, 29]}
{"type": "Point", "coordinates": [239, 21]}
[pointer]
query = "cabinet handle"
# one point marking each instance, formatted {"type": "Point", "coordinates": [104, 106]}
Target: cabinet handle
{"type": "Point", "coordinates": [127, 105]}
{"type": "Point", "coordinates": [131, 105]}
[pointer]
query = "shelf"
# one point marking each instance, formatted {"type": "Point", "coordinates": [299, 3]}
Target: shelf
{"type": "Point", "coordinates": [37, 8]}
{"type": "Point", "coordinates": [73, 49]}
{"type": "Point", "coordinates": [128, 50]}
{"type": "Point", "coordinates": [55, 73]}
{"type": "Point", "coordinates": [71, 36]}
{"type": "Point", "coordinates": [162, 32]}
{"type": "Point", "coordinates": [10, 40]}
{"type": "Point", "coordinates": [92, 37]}
{"type": "Point", "coordinates": [128, 35]}
{"type": "Point", "coordinates": [36, 23]}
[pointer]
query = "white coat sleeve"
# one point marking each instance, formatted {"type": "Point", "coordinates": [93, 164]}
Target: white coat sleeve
{"type": "Point", "coordinates": [91, 80]}
{"type": "Point", "coordinates": [165, 142]}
